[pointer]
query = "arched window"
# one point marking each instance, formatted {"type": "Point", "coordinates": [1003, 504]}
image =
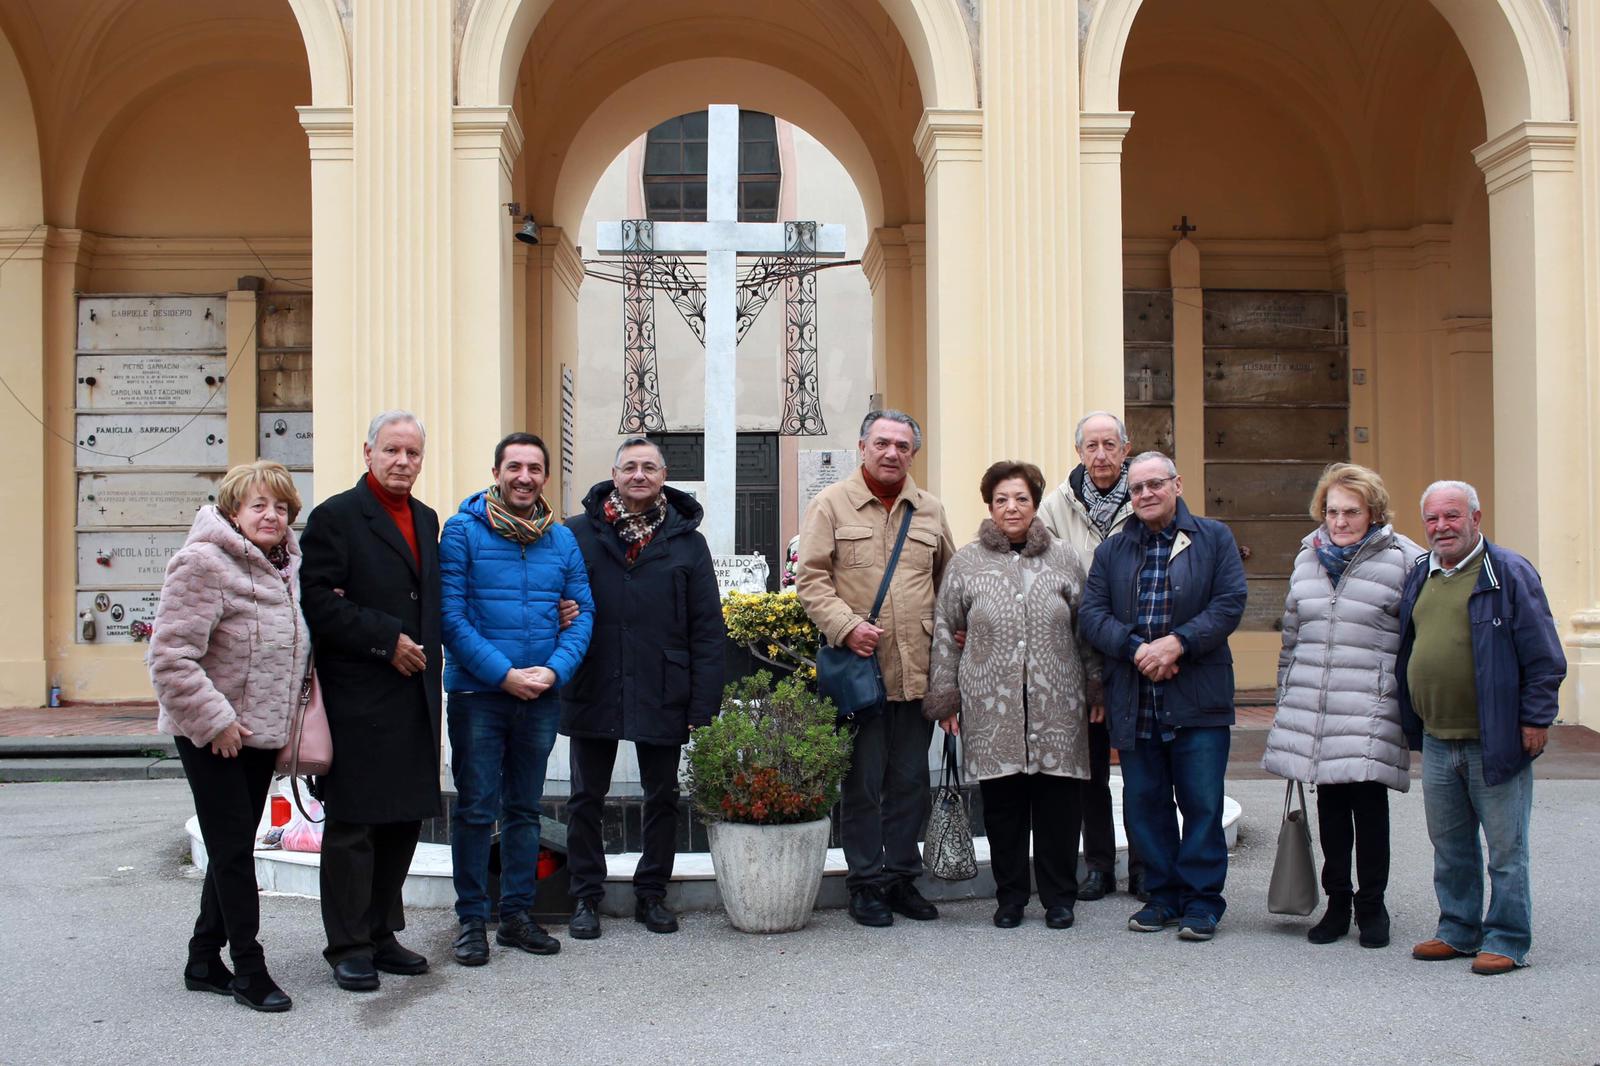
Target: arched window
{"type": "Point", "coordinates": [675, 169]}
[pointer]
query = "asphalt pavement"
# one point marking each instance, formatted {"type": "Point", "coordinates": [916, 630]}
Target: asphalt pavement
{"type": "Point", "coordinates": [96, 903]}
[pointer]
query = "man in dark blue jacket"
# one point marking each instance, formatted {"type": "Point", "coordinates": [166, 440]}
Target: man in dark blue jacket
{"type": "Point", "coordinates": [506, 564]}
{"type": "Point", "coordinates": [1479, 670]}
{"type": "Point", "coordinates": [1162, 597]}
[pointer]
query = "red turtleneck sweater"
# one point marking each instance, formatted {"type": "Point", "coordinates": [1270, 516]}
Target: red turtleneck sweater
{"type": "Point", "coordinates": [885, 494]}
{"type": "Point", "coordinates": [399, 509]}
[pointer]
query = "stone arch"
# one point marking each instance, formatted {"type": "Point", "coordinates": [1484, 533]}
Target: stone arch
{"type": "Point", "coordinates": [327, 51]}
{"type": "Point", "coordinates": [21, 173]}
{"type": "Point", "coordinates": [1514, 46]}
{"type": "Point", "coordinates": [498, 31]}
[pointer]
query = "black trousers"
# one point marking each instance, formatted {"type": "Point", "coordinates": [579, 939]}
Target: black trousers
{"type": "Point", "coordinates": [884, 802]}
{"type": "Point", "coordinates": [1354, 814]}
{"type": "Point", "coordinates": [229, 795]}
{"type": "Point", "coordinates": [592, 764]}
{"type": "Point", "coordinates": [363, 872]}
{"type": "Point", "coordinates": [1099, 836]}
{"type": "Point", "coordinates": [1049, 807]}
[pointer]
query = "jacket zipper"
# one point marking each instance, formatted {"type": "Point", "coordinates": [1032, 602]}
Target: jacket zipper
{"type": "Point", "coordinates": [1327, 662]}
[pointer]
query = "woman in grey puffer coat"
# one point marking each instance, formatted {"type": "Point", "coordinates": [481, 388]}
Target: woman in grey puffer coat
{"type": "Point", "coordinates": [1338, 720]}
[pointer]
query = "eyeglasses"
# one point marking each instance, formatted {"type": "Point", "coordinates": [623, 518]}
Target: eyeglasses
{"type": "Point", "coordinates": [1349, 514]}
{"type": "Point", "coordinates": [1153, 485]}
{"type": "Point", "coordinates": [647, 469]}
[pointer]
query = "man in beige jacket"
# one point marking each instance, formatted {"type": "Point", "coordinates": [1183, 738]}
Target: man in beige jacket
{"type": "Point", "coordinates": [1084, 509]}
{"type": "Point", "coordinates": [846, 538]}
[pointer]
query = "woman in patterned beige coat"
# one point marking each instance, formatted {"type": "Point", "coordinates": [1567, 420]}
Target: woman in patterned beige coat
{"type": "Point", "coordinates": [1009, 676]}
{"type": "Point", "coordinates": [228, 653]}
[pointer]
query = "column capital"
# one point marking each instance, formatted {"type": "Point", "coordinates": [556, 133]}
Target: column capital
{"type": "Point", "coordinates": [886, 249]}
{"type": "Point", "coordinates": [949, 135]}
{"type": "Point", "coordinates": [482, 130]}
{"type": "Point", "coordinates": [557, 254]}
{"type": "Point", "coordinates": [330, 131]}
{"type": "Point", "coordinates": [1100, 135]}
{"type": "Point", "coordinates": [1526, 149]}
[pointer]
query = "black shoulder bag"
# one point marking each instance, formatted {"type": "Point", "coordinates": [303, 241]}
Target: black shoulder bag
{"type": "Point", "coordinates": [852, 682]}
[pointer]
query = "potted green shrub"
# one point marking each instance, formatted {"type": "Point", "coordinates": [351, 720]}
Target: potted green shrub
{"type": "Point", "coordinates": [764, 775]}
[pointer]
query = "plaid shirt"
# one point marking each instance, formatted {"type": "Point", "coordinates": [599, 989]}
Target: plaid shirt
{"type": "Point", "coordinates": [1154, 621]}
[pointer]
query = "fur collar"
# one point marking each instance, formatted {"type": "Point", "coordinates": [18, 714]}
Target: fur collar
{"type": "Point", "coordinates": [1038, 542]}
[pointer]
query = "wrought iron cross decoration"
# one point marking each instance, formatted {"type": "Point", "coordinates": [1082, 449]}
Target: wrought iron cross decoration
{"type": "Point", "coordinates": [722, 238]}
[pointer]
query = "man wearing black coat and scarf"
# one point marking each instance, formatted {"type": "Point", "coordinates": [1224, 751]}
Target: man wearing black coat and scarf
{"type": "Point", "coordinates": [371, 595]}
{"type": "Point", "coordinates": [654, 671]}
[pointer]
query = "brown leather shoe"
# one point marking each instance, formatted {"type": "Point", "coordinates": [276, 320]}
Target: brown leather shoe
{"type": "Point", "coordinates": [1488, 964]}
{"type": "Point", "coordinates": [1436, 950]}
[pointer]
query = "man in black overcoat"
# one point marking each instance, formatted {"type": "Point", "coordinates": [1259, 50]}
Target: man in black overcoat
{"type": "Point", "coordinates": [370, 591]}
{"type": "Point", "coordinates": [653, 672]}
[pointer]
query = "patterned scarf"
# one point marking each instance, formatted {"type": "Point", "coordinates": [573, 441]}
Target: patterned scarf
{"type": "Point", "coordinates": [513, 527]}
{"type": "Point", "coordinates": [1335, 559]}
{"type": "Point", "coordinates": [635, 530]}
{"type": "Point", "coordinates": [1103, 506]}
{"type": "Point", "coordinates": [277, 555]}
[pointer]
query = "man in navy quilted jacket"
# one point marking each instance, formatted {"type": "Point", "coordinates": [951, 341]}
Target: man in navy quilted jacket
{"type": "Point", "coordinates": [506, 564]}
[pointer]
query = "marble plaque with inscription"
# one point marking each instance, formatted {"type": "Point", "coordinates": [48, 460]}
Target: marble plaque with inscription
{"type": "Point", "coordinates": [143, 499]}
{"type": "Point", "coordinates": [740, 573]}
{"type": "Point", "coordinates": [820, 467]}
{"type": "Point", "coordinates": [152, 323]}
{"type": "Point", "coordinates": [304, 486]}
{"type": "Point", "coordinates": [1277, 319]}
{"type": "Point", "coordinates": [1276, 376]}
{"type": "Point", "coordinates": [285, 437]}
{"type": "Point", "coordinates": [150, 381]}
{"type": "Point", "coordinates": [117, 441]}
{"type": "Point", "coordinates": [125, 557]}
{"type": "Point", "coordinates": [116, 616]}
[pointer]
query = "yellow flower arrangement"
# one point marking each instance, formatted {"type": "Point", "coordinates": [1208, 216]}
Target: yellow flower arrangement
{"type": "Point", "coordinates": [775, 628]}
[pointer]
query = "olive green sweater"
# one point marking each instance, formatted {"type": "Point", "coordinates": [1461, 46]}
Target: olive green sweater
{"type": "Point", "coordinates": [1441, 674]}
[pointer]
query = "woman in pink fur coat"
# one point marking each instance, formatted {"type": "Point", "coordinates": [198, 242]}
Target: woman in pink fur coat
{"type": "Point", "coordinates": [228, 655]}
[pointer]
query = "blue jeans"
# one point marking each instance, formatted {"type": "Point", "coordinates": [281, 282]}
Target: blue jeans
{"type": "Point", "coordinates": [1160, 779]}
{"type": "Point", "coordinates": [1458, 804]}
{"type": "Point", "coordinates": [499, 746]}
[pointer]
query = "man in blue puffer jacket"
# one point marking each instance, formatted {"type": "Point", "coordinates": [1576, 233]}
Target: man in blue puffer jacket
{"type": "Point", "coordinates": [506, 563]}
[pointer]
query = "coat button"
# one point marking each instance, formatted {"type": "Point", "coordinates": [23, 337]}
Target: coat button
{"type": "Point", "coordinates": [1033, 738]}
{"type": "Point", "coordinates": [413, 595]}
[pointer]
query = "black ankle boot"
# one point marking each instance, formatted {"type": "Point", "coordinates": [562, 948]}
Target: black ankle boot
{"type": "Point", "coordinates": [1335, 923]}
{"type": "Point", "coordinates": [1373, 921]}
{"type": "Point", "coordinates": [259, 991]}
{"type": "Point", "coordinates": [208, 975]}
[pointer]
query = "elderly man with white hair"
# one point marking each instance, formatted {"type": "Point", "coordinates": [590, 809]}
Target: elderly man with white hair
{"type": "Point", "coordinates": [1479, 669]}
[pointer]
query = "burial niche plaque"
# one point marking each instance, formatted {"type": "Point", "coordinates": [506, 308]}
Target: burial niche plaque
{"type": "Point", "coordinates": [148, 381]}
{"type": "Point", "coordinates": [117, 441]}
{"type": "Point", "coordinates": [152, 323]}
{"type": "Point", "coordinates": [821, 467]}
{"type": "Point", "coordinates": [286, 437]}
{"type": "Point", "coordinates": [111, 500]}
{"type": "Point", "coordinates": [116, 616]}
{"type": "Point", "coordinates": [126, 557]}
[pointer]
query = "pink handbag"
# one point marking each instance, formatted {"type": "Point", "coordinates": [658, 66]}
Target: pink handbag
{"type": "Point", "coordinates": [310, 746]}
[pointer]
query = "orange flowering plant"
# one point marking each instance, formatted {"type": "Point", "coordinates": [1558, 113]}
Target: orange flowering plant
{"type": "Point", "coordinates": [772, 757]}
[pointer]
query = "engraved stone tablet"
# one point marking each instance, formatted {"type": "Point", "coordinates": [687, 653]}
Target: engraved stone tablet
{"type": "Point", "coordinates": [146, 381]}
{"type": "Point", "coordinates": [116, 616]}
{"type": "Point", "coordinates": [143, 499]}
{"type": "Point", "coordinates": [303, 485]}
{"type": "Point", "coordinates": [152, 323]}
{"type": "Point", "coordinates": [126, 558]}
{"type": "Point", "coordinates": [1147, 316]}
{"type": "Point", "coordinates": [1147, 374]}
{"type": "Point", "coordinates": [109, 441]}
{"type": "Point", "coordinates": [285, 437]}
{"type": "Point", "coordinates": [819, 468]}
{"type": "Point", "coordinates": [1275, 376]}
{"type": "Point", "coordinates": [740, 573]}
{"type": "Point", "coordinates": [1286, 319]}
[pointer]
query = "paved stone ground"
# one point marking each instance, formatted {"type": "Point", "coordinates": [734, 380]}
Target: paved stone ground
{"type": "Point", "coordinates": [95, 907]}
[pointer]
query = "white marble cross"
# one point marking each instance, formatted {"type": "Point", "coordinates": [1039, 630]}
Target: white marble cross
{"type": "Point", "coordinates": [722, 238]}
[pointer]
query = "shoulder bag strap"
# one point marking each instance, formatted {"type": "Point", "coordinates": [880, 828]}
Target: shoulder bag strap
{"type": "Point", "coordinates": [952, 763]}
{"type": "Point", "coordinates": [295, 735]}
{"type": "Point", "coordinates": [888, 572]}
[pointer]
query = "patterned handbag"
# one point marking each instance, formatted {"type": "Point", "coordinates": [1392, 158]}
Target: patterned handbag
{"type": "Point", "coordinates": [947, 849]}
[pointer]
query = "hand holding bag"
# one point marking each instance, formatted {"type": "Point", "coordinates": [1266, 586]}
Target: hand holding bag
{"type": "Point", "coordinates": [1293, 889]}
{"type": "Point", "coordinates": [310, 746]}
{"type": "Point", "coordinates": [854, 683]}
{"type": "Point", "coordinates": [947, 849]}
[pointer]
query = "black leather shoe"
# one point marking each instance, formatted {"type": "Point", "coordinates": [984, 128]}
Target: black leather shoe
{"type": "Point", "coordinates": [1058, 917]}
{"type": "Point", "coordinates": [521, 931]}
{"type": "Point", "coordinates": [1136, 887]}
{"type": "Point", "coordinates": [585, 924]}
{"type": "Point", "coordinates": [1008, 916]}
{"type": "Point", "coordinates": [356, 975]}
{"type": "Point", "coordinates": [868, 908]}
{"type": "Point", "coordinates": [650, 912]}
{"type": "Point", "coordinates": [396, 958]}
{"type": "Point", "coordinates": [472, 943]}
{"type": "Point", "coordinates": [1373, 921]}
{"type": "Point", "coordinates": [903, 898]}
{"type": "Point", "coordinates": [208, 975]}
{"type": "Point", "coordinates": [1098, 885]}
{"type": "Point", "coordinates": [260, 992]}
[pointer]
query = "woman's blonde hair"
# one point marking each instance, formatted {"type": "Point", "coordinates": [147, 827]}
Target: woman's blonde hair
{"type": "Point", "coordinates": [273, 478]}
{"type": "Point", "coordinates": [1359, 480]}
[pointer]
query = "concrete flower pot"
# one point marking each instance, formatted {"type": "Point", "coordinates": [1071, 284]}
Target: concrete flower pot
{"type": "Point", "coordinates": [769, 874]}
